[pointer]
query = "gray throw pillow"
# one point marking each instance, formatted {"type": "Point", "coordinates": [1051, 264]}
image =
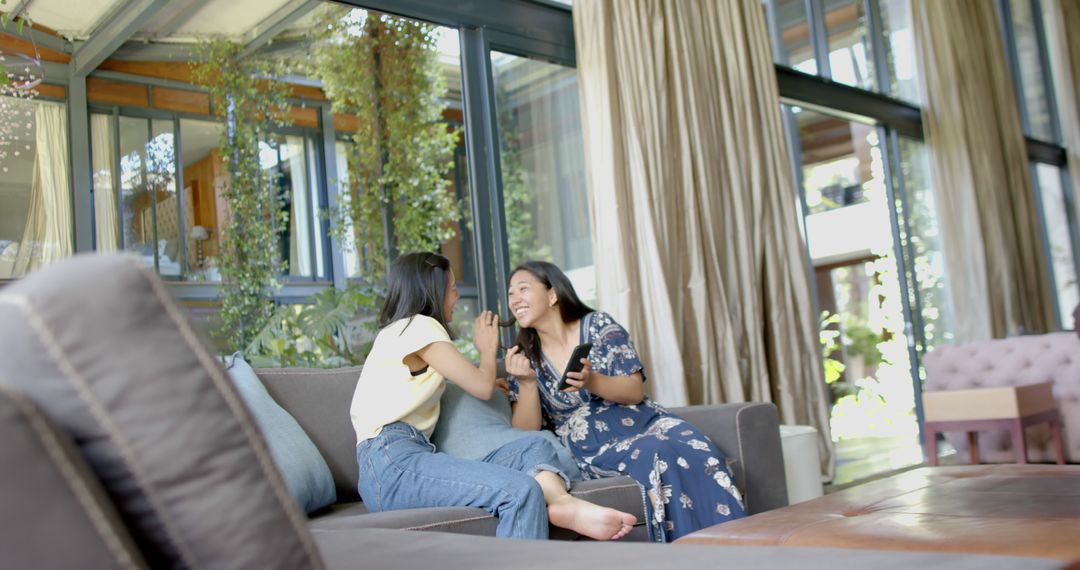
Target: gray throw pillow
{"type": "Point", "coordinates": [97, 343]}
{"type": "Point", "coordinates": [471, 428]}
{"type": "Point", "coordinates": [301, 465]}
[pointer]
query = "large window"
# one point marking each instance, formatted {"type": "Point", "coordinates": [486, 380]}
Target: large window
{"type": "Point", "coordinates": [169, 209]}
{"type": "Point", "coordinates": [898, 37]}
{"type": "Point", "coordinates": [1031, 72]}
{"type": "Point", "coordinates": [1050, 184]}
{"type": "Point", "coordinates": [36, 224]}
{"type": "Point", "coordinates": [851, 59]}
{"type": "Point", "coordinates": [925, 258]}
{"type": "Point", "coordinates": [543, 170]}
{"type": "Point", "coordinates": [1024, 32]}
{"type": "Point", "coordinates": [792, 38]}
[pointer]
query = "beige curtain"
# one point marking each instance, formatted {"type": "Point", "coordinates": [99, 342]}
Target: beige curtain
{"type": "Point", "coordinates": [1064, 48]}
{"type": "Point", "coordinates": [102, 139]}
{"type": "Point", "coordinates": [49, 233]}
{"type": "Point", "coordinates": [299, 219]}
{"type": "Point", "coordinates": [695, 228]}
{"type": "Point", "coordinates": [991, 236]}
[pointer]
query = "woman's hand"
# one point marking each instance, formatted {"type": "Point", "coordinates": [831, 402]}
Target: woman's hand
{"type": "Point", "coordinates": [579, 380]}
{"type": "Point", "coordinates": [517, 365]}
{"type": "Point", "coordinates": [502, 385]}
{"type": "Point", "coordinates": [486, 332]}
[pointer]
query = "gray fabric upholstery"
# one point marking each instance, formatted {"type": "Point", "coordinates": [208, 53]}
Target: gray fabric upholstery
{"type": "Point", "coordinates": [99, 346]}
{"type": "Point", "coordinates": [462, 520]}
{"type": "Point", "coordinates": [390, 550]}
{"type": "Point", "coordinates": [319, 401]}
{"type": "Point", "coordinates": [749, 435]}
{"type": "Point", "coordinates": [49, 495]}
{"type": "Point", "coordinates": [622, 493]}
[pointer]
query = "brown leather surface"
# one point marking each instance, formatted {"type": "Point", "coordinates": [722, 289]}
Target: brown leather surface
{"type": "Point", "coordinates": [1022, 510]}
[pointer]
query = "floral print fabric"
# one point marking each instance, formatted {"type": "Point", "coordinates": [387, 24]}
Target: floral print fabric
{"type": "Point", "coordinates": [687, 482]}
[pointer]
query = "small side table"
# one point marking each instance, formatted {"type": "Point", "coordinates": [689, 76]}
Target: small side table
{"type": "Point", "coordinates": [1010, 408]}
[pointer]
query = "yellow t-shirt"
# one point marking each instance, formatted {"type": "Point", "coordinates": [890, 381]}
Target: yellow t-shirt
{"type": "Point", "coordinates": [387, 392]}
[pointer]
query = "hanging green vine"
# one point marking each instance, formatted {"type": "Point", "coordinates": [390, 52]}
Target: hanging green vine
{"type": "Point", "coordinates": [384, 70]}
{"type": "Point", "coordinates": [20, 23]}
{"type": "Point", "coordinates": [249, 261]}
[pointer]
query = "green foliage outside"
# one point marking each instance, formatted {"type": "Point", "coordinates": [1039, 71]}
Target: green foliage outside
{"type": "Point", "coordinates": [323, 333]}
{"type": "Point", "coordinates": [20, 23]}
{"type": "Point", "coordinates": [851, 339]}
{"type": "Point", "coordinates": [249, 260]}
{"type": "Point", "coordinates": [384, 70]}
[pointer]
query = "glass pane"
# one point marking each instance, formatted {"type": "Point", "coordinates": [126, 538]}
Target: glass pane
{"type": "Point", "coordinates": [315, 169]}
{"type": "Point", "coordinates": [543, 172]}
{"type": "Point", "coordinates": [850, 56]}
{"type": "Point", "coordinates": [298, 248]}
{"type": "Point", "coordinates": [863, 327]}
{"type": "Point", "coordinates": [161, 180]}
{"type": "Point", "coordinates": [898, 34]}
{"type": "Point", "coordinates": [795, 41]}
{"type": "Point", "coordinates": [364, 239]}
{"type": "Point", "coordinates": [137, 202]}
{"type": "Point", "coordinates": [1054, 207]}
{"type": "Point", "coordinates": [36, 223]}
{"type": "Point", "coordinates": [1033, 82]}
{"type": "Point", "coordinates": [204, 180]}
{"type": "Point", "coordinates": [925, 242]}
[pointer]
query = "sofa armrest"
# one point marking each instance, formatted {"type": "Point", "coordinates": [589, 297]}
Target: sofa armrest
{"type": "Point", "coordinates": [54, 512]}
{"type": "Point", "coordinates": [749, 435]}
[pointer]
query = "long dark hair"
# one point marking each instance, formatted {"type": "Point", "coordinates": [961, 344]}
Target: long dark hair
{"type": "Point", "coordinates": [570, 306]}
{"type": "Point", "coordinates": [416, 285]}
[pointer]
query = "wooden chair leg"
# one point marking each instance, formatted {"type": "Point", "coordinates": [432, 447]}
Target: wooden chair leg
{"type": "Point", "coordinates": [1059, 444]}
{"type": "Point", "coordinates": [973, 447]}
{"type": "Point", "coordinates": [931, 446]}
{"type": "Point", "coordinates": [1019, 442]}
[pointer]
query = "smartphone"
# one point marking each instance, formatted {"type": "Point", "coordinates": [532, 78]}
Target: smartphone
{"type": "Point", "coordinates": [575, 365]}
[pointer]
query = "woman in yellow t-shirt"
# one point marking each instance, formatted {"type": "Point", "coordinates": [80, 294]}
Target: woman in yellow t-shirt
{"type": "Point", "coordinates": [396, 405]}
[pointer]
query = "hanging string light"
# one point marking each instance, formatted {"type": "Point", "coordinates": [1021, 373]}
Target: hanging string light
{"type": "Point", "coordinates": [24, 73]}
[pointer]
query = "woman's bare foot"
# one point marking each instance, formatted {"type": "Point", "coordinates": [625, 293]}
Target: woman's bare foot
{"type": "Point", "coordinates": [591, 520]}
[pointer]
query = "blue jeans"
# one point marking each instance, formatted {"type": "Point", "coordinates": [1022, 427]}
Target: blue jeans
{"type": "Point", "coordinates": [400, 469]}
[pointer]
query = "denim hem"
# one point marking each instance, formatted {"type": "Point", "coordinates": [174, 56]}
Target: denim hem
{"type": "Point", "coordinates": [547, 467]}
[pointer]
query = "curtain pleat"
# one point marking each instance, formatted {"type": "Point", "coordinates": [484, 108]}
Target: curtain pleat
{"type": "Point", "coordinates": [991, 234]}
{"type": "Point", "coordinates": [49, 233]}
{"type": "Point", "coordinates": [1064, 47]}
{"type": "Point", "coordinates": [695, 229]}
{"type": "Point", "coordinates": [103, 151]}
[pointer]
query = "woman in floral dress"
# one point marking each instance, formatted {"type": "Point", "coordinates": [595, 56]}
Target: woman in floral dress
{"type": "Point", "coordinates": [605, 419]}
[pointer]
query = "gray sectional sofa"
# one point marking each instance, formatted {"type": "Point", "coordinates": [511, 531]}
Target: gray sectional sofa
{"type": "Point", "coordinates": [123, 444]}
{"type": "Point", "coordinates": [319, 400]}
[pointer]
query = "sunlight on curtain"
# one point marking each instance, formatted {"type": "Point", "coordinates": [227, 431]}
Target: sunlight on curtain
{"type": "Point", "coordinates": [694, 222]}
{"type": "Point", "coordinates": [997, 271]}
{"type": "Point", "coordinates": [103, 150]}
{"type": "Point", "coordinates": [299, 215]}
{"type": "Point", "coordinates": [49, 235]}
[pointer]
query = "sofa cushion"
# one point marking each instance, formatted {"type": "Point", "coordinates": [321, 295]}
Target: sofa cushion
{"type": "Point", "coordinates": [97, 343]}
{"type": "Point", "coordinates": [50, 494]}
{"type": "Point", "coordinates": [396, 549]}
{"type": "Point", "coordinates": [303, 468]}
{"type": "Point", "coordinates": [621, 493]}
{"type": "Point", "coordinates": [471, 428]}
{"type": "Point", "coordinates": [460, 520]}
{"type": "Point", "coordinates": [319, 400]}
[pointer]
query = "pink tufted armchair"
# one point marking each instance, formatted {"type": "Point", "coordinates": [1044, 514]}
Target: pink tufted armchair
{"type": "Point", "coordinates": [1014, 362]}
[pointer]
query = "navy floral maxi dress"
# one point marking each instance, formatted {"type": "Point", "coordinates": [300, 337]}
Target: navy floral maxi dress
{"type": "Point", "coordinates": [686, 479]}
